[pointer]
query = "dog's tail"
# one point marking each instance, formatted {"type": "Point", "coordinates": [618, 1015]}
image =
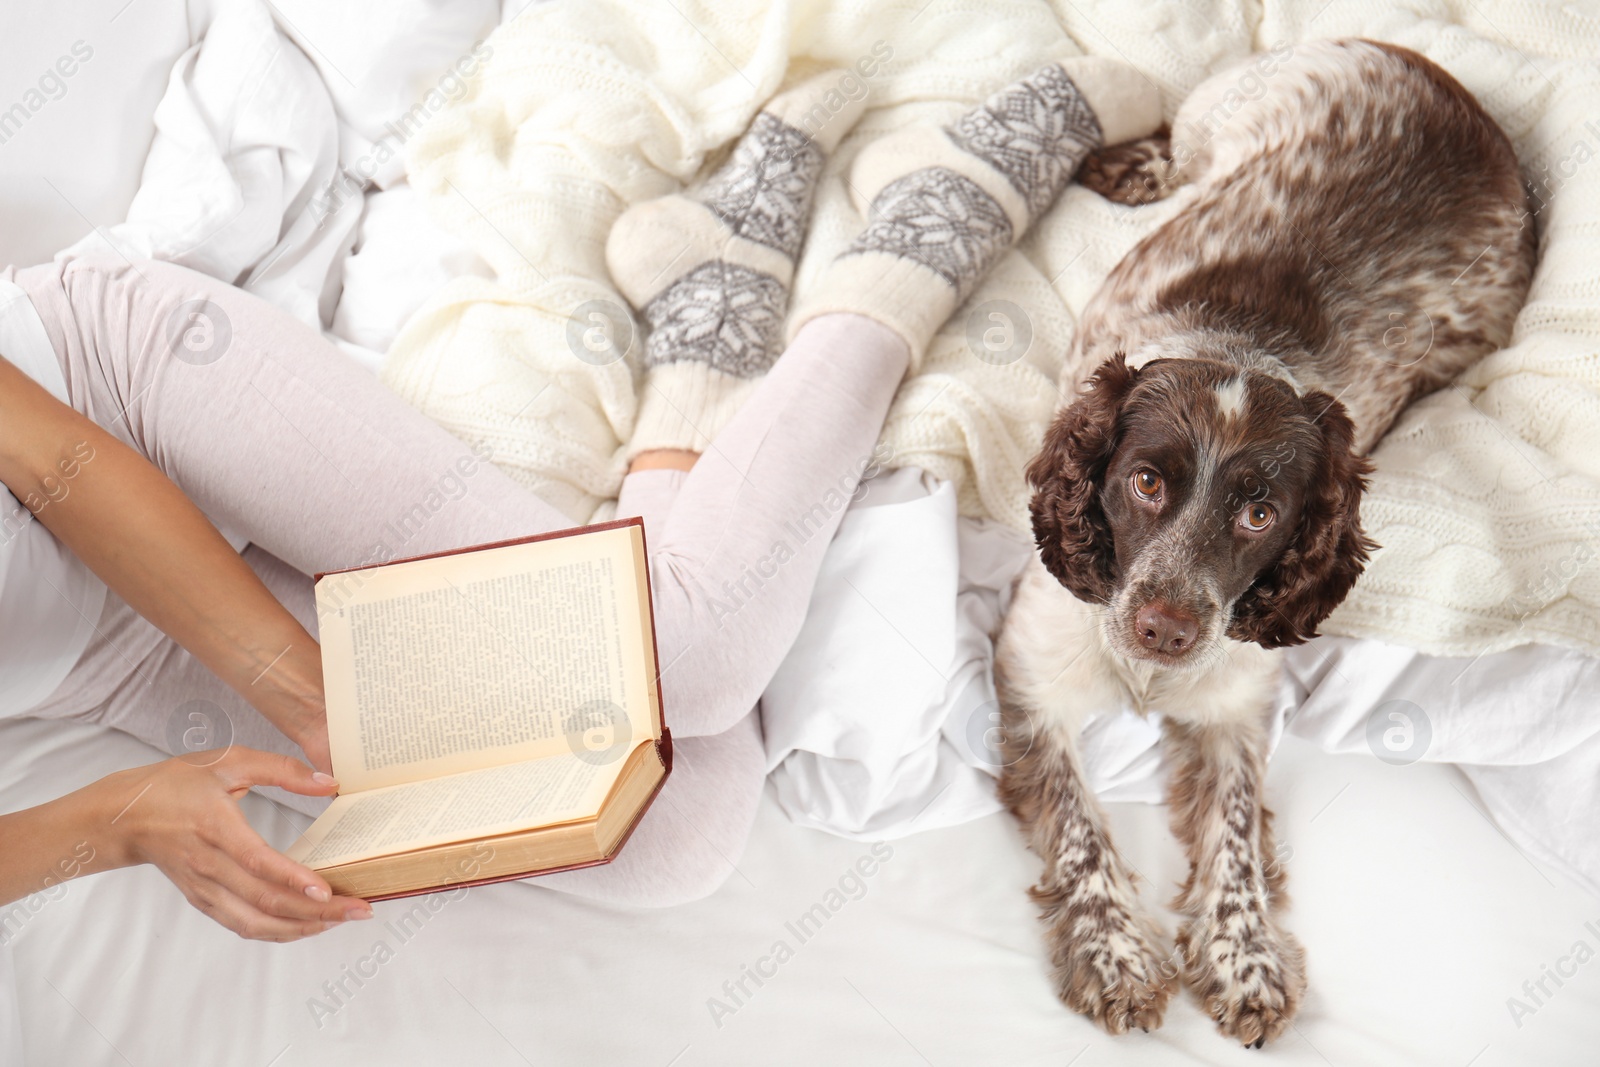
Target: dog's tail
{"type": "Point", "coordinates": [1134, 172]}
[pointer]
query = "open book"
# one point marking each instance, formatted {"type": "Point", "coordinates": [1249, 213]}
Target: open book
{"type": "Point", "coordinates": [492, 712]}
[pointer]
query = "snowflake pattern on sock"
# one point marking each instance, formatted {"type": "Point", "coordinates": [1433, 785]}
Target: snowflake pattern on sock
{"type": "Point", "coordinates": [940, 219]}
{"type": "Point", "coordinates": [721, 314]}
{"type": "Point", "coordinates": [764, 192]}
{"type": "Point", "coordinates": [1035, 133]}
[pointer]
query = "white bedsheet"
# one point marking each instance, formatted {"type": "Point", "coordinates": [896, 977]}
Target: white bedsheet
{"type": "Point", "coordinates": [894, 644]}
{"type": "Point", "coordinates": [1524, 725]}
{"type": "Point", "coordinates": [1419, 920]}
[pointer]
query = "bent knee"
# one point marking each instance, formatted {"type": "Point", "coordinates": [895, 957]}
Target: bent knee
{"type": "Point", "coordinates": [685, 883]}
{"type": "Point", "coordinates": [655, 877]}
{"type": "Point", "coordinates": [690, 842]}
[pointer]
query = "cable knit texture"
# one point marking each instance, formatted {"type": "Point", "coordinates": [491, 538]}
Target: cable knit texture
{"type": "Point", "coordinates": [1487, 494]}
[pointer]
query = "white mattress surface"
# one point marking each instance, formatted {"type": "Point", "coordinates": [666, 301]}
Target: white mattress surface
{"type": "Point", "coordinates": [1419, 918]}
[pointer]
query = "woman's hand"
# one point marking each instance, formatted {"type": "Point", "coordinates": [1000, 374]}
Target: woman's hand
{"type": "Point", "coordinates": [184, 818]}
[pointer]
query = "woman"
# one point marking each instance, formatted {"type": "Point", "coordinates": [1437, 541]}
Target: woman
{"type": "Point", "coordinates": [201, 454]}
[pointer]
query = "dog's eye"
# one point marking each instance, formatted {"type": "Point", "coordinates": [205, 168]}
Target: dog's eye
{"type": "Point", "coordinates": [1257, 517]}
{"type": "Point", "coordinates": [1147, 483]}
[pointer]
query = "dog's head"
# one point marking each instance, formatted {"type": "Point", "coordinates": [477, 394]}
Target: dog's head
{"type": "Point", "coordinates": [1194, 500]}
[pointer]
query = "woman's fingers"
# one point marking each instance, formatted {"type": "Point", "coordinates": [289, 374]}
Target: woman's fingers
{"type": "Point", "coordinates": [246, 848]}
{"type": "Point", "coordinates": [274, 883]}
{"type": "Point", "coordinates": [278, 902]}
{"type": "Point", "coordinates": [245, 919]}
{"type": "Point", "coordinates": [245, 767]}
{"type": "Point", "coordinates": [242, 768]}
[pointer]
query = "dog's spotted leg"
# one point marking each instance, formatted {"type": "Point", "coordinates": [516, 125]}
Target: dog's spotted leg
{"type": "Point", "coordinates": [1248, 972]}
{"type": "Point", "coordinates": [1102, 947]}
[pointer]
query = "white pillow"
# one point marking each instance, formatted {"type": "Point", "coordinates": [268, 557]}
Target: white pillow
{"type": "Point", "coordinates": [381, 57]}
{"type": "Point", "coordinates": [77, 93]}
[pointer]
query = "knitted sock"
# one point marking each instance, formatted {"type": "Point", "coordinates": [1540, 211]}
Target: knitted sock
{"type": "Point", "coordinates": [944, 205]}
{"type": "Point", "coordinates": [710, 270]}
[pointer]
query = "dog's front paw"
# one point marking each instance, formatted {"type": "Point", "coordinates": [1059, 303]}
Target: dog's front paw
{"type": "Point", "coordinates": [1107, 967]}
{"type": "Point", "coordinates": [1249, 975]}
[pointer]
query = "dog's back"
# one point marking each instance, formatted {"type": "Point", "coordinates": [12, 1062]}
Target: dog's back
{"type": "Point", "coordinates": [1352, 210]}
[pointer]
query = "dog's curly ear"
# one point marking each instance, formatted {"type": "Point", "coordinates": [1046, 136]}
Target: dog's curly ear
{"type": "Point", "coordinates": [1289, 600]}
{"type": "Point", "coordinates": [1069, 525]}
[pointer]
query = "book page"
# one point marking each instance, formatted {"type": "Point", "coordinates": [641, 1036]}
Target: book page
{"type": "Point", "coordinates": [457, 807]}
{"type": "Point", "coordinates": [439, 666]}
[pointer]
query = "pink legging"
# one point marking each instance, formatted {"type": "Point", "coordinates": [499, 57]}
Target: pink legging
{"type": "Point", "coordinates": [308, 464]}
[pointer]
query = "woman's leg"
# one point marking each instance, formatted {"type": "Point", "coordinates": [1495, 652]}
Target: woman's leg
{"type": "Point", "coordinates": [747, 526]}
{"type": "Point", "coordinates": [274, 433]}
{"type": "Point", "coordinates": [736, 544]}
{"type": "Point", "coordinates": [753, 517]}
{"type": "Point", "coordinates": [309, 460]}
{"type": "Point", "coordinates": [286, 445]}
{"type": "Point", "coordinates": [735, 559]}
{"type": "Point", "coordinates": [690, 840]}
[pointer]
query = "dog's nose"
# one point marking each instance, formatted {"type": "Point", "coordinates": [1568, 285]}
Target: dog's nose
{"type": "Point", "coordinates": [1164, 628]}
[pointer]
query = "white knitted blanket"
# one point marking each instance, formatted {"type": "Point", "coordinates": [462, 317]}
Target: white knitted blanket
{"type": "Point", "coordinates": [1487, 496]}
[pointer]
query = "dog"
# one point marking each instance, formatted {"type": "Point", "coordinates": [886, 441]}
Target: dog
{"type": "Point", "coordinates": [1352, 237]}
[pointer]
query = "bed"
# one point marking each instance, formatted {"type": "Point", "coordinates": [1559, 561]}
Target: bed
{"type": "Point", "coordinates": [1419, 917]}
{"type": "Point", "coordinates": [1451, 914]}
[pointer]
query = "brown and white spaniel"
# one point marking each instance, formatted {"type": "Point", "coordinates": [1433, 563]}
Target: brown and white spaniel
{"type": "Point", "coordinates": [1352, 238]}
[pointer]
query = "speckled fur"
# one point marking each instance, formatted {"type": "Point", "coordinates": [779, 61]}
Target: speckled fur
{"type": "Point", "coordinates": [1360, 222]}
{"type": "Point", "coordinates": [1355, 231]}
